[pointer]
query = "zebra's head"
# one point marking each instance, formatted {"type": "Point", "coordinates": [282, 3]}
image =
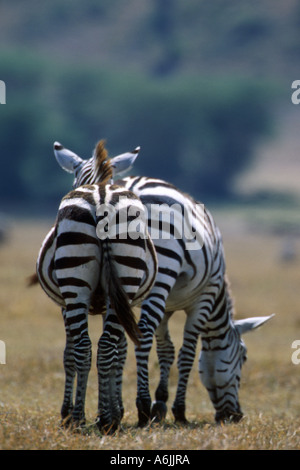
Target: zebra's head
{"type": "Point", "coordinates": [220, 366]}
{"type": "Point", "coordinates": [99, 168]}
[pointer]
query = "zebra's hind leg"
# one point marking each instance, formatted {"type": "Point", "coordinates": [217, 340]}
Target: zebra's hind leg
{"type": "Point", "coordinates": [70, 372]}
{"type": "Point", "coordinates": [122, 354]}
{"type": "Point", "coordinates": [153, 309]}
{"type": "Point", "coordinates": [80, 343]}
{"type": "Point", "coordinates": [143, 400]}
{"type": "Point", "coordinates": [109, 375]}
{"type": "Point", "coordinates": [166, 354]}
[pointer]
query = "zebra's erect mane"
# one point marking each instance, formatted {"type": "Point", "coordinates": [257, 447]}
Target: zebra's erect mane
{"type": "Point", "coordinates": [101, 163]}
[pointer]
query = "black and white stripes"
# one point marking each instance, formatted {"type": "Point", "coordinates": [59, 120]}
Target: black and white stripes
{"type": "Point", "coordinates": [191, 277]}
{"type": "Point", "coordinates": [86, 271]}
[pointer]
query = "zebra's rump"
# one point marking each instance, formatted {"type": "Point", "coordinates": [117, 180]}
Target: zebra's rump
{"type": "Point", "coordinates": [71, 262]}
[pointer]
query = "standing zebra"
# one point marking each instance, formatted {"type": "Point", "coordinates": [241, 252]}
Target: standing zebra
{"type": "Point", "coordinates": [88, 263]}
{"type": "Point", "coordinates": [191, 277]}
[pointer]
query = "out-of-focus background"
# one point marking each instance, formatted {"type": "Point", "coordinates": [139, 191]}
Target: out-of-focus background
{"type": "Point", "coordinates": [205, 88]}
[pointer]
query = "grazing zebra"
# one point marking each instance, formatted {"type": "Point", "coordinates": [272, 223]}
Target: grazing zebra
{"type": "Point", "coordinates": [191, 277]}
{"type": "Point", "coordinates": [94, 260]}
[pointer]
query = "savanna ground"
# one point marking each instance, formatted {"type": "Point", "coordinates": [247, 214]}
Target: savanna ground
{"type": "Point", "coordinates": [31, 381]}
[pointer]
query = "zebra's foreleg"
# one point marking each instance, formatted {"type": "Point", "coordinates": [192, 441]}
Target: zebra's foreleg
{"type": "Point", "coordinates": [166, 354]}
{"type": "Point", "coordinates": [185, 362]}
{"type": "Point", "coordinates": [152, 314]}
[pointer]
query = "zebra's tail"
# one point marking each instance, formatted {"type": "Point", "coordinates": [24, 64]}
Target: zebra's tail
{"type": "Point", "coordinates": [118, 297]}
{"type": "Point", "coordinates": [32, 280]}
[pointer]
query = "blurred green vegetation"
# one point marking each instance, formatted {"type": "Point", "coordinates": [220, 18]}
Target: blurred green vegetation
{"type": "Point", "coordinates": [196, 133]}
{"type": "Point", "coordinates": [192, 83]}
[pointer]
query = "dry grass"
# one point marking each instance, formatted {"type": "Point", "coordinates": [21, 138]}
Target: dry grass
{"type": "Point", "coordinates": [31, 382]}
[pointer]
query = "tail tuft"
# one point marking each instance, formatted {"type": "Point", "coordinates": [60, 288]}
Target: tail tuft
{"type": "Point", "coordinates": [32, 280]}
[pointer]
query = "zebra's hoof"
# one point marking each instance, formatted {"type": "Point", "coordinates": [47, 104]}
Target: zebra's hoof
{"type": "Point", "coordinates": [73, 424]}
{"type": "Point", "coordinates": [227, 416]}
{"type": "Point", "coordinates": [66, 422]}
{"type": "Point", "coordinates": [179, 415]}
{"type": "Point", "coordinates": [158, 411]}
{"type": "Point", "coordinates": [107, 429]}
{"type": "Point", "coordinates": [144, 413]}
{"type": "Point", "coordinates": [66, 416]}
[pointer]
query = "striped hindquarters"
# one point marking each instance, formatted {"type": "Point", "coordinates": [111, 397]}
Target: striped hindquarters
{"type": "Point", "coordinates": [83, 261]}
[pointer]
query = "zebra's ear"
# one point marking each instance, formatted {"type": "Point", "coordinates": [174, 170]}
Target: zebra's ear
{"type": "Point", "coordinates": [124, 162]}
{"type": "Point", "coordinates": [248, 324]}
{"type": "Point", "coordinates": [67, 159]}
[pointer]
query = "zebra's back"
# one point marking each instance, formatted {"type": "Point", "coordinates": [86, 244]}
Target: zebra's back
{"type": "Point", "coordinates": [193, 252]}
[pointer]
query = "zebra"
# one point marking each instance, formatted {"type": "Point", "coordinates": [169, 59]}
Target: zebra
{"type": "Point", "coordinates": [193, 280]}
{"type": "Point", "coordinates": [91, 171]}
{"type": "Point", "coordinates": [90, 263]}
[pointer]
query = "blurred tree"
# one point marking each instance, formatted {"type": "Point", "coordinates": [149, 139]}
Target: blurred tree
{"type": "Point", "coordinates": [198, 134]}
{"type": "Point", "coordinates": [164, 28]}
